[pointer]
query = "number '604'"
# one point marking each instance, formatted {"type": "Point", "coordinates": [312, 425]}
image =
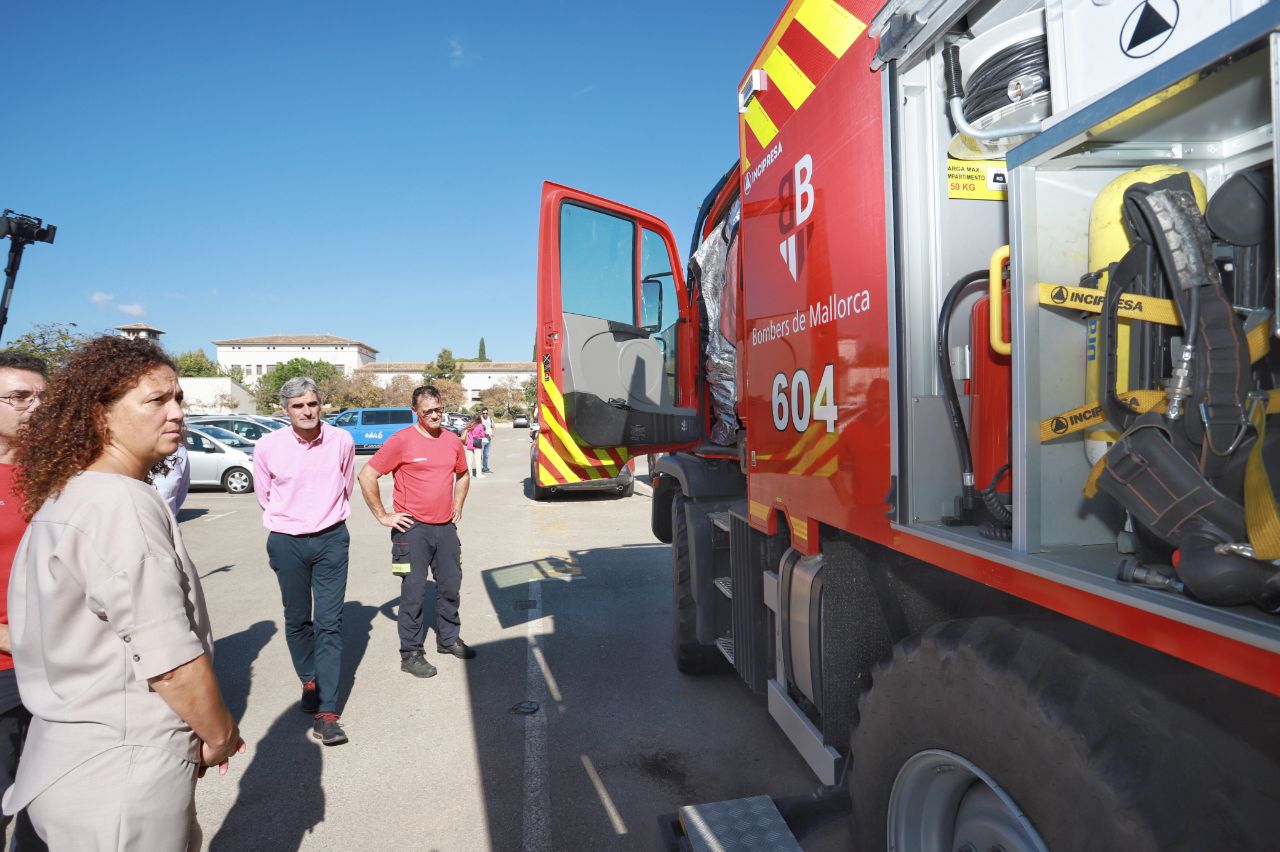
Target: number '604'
{"type": "Point", "coordinates": [795, 404]}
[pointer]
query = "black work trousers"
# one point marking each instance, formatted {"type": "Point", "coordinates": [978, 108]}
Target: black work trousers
{"type": "Point", "coordinates": [14, 720]}
{"type": "Point", "coordinates": [424, 546]}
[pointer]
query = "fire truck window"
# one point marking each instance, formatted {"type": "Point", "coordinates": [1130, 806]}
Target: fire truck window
{"type": "Point", "coordinates": [655, 261]}
{"type": "Point", "coordinates": [596, 264]}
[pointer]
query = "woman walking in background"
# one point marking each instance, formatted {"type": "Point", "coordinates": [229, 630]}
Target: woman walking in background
{"type": "Point", "coordinates": [110, 634]}
{"type": "Point", "coordinates": [473, 442]}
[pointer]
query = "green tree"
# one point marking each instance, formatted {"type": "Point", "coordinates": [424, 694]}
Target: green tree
{"type": "Point", "coordinates": [195, 363]}
{"type": "Point", "coordinates": [51, 342]}
{"type": "Point", "coordinates": [236, 374]}
{"type": "Point", "coordinates": [267, 392]}
{"type": "Point", "coordinates": [445, 367]}
{"type": "Point", "coordinates": [480, 355]}
{"type": "Point", "coordinates": [530, 389]}
{"type": "Point", "coordinates": [503, 397]}
{"type": "Point", "coordinates": [360, 391]}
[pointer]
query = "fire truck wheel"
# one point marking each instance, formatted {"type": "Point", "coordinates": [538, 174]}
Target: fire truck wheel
{"type": "Point", "coordinates": [985, 734]}
{"type": "Point", "coordinates": [692, 657]}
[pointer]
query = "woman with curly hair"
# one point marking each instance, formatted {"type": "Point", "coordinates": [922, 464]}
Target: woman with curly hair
{"type": "Point", "coordinates": [110, 634]}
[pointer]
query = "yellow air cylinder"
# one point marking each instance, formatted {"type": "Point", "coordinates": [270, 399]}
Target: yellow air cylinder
{"type": "Point", "coordinates": [1108, 243]}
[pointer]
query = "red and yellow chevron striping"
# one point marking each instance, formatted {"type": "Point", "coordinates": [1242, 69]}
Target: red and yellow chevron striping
{"type": "Point", "coordinates": [811, 36]}
{"type": "Point", "coordinates": [560, 459]}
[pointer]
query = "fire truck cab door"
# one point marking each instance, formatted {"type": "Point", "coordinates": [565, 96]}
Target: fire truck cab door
{"type": "Point", "coordinates": [615, 329]}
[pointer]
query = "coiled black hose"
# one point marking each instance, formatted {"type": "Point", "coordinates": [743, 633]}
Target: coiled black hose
{"type": "Point", "coordinates": [988, 87]}
{"type": "Point", "coordinates": [955, 416]}
{"type": "Point", "coordinates": [991, 499]}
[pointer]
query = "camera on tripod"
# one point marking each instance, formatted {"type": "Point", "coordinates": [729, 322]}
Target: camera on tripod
{"type": "Point", "coordinates": [25, 229]}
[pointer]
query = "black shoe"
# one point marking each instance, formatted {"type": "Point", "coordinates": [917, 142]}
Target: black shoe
{"type": "Point", "coordinates": [458, 649]}
{"type": "Point", "coordinates": [327, 730]}
{"type": "Point", "coordinates": [310, 702]}
{"type": "Point", "coordinates": [416, 664]}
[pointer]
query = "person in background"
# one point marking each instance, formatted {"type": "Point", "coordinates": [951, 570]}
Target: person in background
{"type": "Point", "coordinates": [175, 482]}
{"type": "Point", "coordinates": [487, 419]}
{"type": "Point", "coordinates": [110, 633]}
{"type": "Point", "coordinates": [431, 483]}
{"type": "Point", "coordinates": [22, 383]}
{"type": "Point", "coordinates": [303, 477]}
{"type": "Point", "coordinates": [472, 441]}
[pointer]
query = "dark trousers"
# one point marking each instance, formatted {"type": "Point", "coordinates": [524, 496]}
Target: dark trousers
{"type": "Point", "coordinates": [424, 546]}
{"type": "Point", "coordinates": [313, 567]}
{"type": "Point", "coordinates": [14, 720]}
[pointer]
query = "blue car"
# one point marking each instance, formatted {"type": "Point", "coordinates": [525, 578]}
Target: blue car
{"type": "Point", "coordinates": [371, 427]}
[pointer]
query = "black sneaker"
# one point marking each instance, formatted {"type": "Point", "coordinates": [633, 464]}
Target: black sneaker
{"type": "Point", "coordinates": [416, 664]}
{"type": "Point", "coordinates": [458, 649]}
{"type": "Point", "coordinates": [327, 730]}
{"type": "Point", "coordinates": [310, 702]}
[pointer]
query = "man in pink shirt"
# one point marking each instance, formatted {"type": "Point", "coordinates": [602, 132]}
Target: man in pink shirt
{"type": "Point", "coordinates": [431, 482]}
{"type": "Point", "coordinates": [303, 478]}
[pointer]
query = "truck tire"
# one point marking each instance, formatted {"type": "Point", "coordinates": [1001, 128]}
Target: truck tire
{"type": "Point", "coordinates": [983, 726]}
{"type": "Point", "coordinates": [539, 492]}
{"type": "Point", "coordinates": [692, 657]}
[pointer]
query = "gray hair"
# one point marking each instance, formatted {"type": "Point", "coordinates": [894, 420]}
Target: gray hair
{"type": "Point", "coordinates": [296, 387]}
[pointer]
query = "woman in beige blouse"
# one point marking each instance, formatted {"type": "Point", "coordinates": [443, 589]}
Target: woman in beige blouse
{"type": "Point", "coordinates": [111, 638]}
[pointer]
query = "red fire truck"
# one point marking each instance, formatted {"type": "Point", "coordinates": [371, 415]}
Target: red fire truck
{"type": "Point", "coordinates": [963, 401]}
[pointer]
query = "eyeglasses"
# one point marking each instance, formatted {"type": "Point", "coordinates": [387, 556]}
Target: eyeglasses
{"type": "Point", "coordinates": [21, 401]}
{"type": "Point", "coordinates": [430, 411]}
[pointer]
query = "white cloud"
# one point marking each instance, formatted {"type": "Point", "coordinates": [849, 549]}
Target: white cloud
{"type": "Point", "coordinates": [459, 55]}
{"type": "Point", "coordinates": [100, 298]}
{"type": "Point", "coordinates": [134, 310]}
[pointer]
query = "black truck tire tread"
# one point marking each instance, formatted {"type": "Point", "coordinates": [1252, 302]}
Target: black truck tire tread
{"type": "Point", "coordinates": [1095, 761]}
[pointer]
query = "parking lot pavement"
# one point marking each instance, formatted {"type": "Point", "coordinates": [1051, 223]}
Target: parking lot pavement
{"type": "Point", "coordinates": [567, 603]}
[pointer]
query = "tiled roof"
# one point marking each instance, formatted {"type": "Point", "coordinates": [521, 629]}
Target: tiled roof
{"type": "Point", "coordinates": [394, 367]}
{"type": "Point", "coordinates": [138, 326]}
{"type": "Point", "coordinates": [497, 366]}
{"type": "Point", "coordinates": [294, 340]}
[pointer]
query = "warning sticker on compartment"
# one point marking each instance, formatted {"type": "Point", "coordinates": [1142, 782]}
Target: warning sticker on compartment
{"type": "Point", "coordinates": [983, 180]}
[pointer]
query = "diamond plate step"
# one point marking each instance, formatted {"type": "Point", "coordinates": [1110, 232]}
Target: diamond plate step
{"type": "Point", "coordinates": [725, 644]}
{"type": "Point", "coordinates": [738, 825]}
{"type": "Point", "coordinates": [725, 585]}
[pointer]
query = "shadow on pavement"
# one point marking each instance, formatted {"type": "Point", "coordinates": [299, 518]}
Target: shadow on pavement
{"type": "Point", "coordinates": [281, 798]}
{"type": "Point", "coordinates": [233, 659]}
{"type": "Point", "coordinates": [191, 514]}
{"type": "Point", "coordinates": [508, 585]}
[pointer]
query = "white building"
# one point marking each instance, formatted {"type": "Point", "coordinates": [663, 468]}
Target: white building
{"type": "Point", "coordinates": [477, 376]}
{"type": "Point", "coordinates": [221, 395]}
{"type": "Point", "coordinates": [482, 375]}
{"type": "Point", "coordinates": [139, 331]}
{"type": "Point", "coordinates": [257, 356]}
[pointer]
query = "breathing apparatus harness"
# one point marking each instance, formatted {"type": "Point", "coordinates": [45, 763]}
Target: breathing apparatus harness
{"type": "Point", "coordinates": [1183, 466]}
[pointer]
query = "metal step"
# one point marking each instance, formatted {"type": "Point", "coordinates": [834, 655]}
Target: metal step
{"type": "Point", "coordinates": [719, 519]}
{"type": "Point", "coordinates": [738, 825]}
{"type": "Point", "coordinates": [725, 644]}
{"type": "Point", "coordinates": [725, 585]}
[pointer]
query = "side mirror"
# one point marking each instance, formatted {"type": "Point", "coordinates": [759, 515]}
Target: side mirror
{"type": "Point", "coordinates": [651, 303]}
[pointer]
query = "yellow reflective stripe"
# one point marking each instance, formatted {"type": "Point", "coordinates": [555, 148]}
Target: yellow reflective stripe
{"type": "Point", "coordinates": [828, 469]}
{"type": "Point", "coordinates": [1132, 306]}
{"type": "Point", "coordinates": [830, 24]}
{"type": "Point", "coordinates": [760, 123]}
{"type": "Point", "coordinates": [813, 433]}
{"type": "Point", "coordinates": [827, 442]}
{"type": "Point", "coordinates": [545, 451]}
{"type": "Point", "coordinates": [575, 452]}
{"type": "Point", "coordinates": [554, 396]}
{"type": "Point", "coordinates": [787, 76]}
{"type": "Point", "coordinates": [760, 510]}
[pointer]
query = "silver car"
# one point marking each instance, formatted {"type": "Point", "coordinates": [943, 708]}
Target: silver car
{"type": "Point", "coordinates": [219, 457]}
{"type": "Point", "coordinates": [246, 426]}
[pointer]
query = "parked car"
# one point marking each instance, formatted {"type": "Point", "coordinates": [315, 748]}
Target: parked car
{"type": "Point", "coordinates": [456, 421]}
{"type": "Point", "coordinates": [371, 427]}
{"type": "Point", "coordinates": [249, 428]}
{"type": "Point", "coordinates": [219, 457]}
{"type": "Point", "coordinates": [623, 484]}
{"type": "Point", "coordinates": [520, 421]}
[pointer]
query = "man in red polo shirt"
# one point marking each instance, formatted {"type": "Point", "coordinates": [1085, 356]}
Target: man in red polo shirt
{"type": "Point", "coordinates": [431, 477]}
{"type": "Point", "coordinates": [21, 384]}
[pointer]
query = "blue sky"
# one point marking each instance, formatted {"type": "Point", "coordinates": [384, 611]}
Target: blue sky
{"type": "Point", "coordinates": [369, 170]}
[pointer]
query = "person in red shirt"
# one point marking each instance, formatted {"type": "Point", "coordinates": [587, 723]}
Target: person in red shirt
{"type": "Point", "coordinates": [431, 478]}
{"type": "Point", "coordinates": [22, 380]}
